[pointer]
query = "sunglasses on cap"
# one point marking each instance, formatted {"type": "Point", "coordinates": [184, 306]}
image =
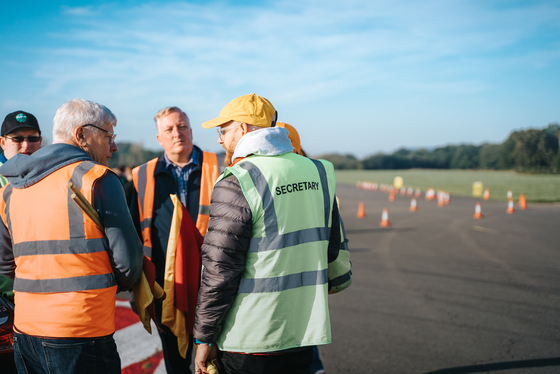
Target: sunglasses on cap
{"type": "Point", "coordinates": [20, 139]}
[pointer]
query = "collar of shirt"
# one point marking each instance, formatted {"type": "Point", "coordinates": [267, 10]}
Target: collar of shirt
{"type": "Point", "coordinates": [3, 158]}
{"type": "Point", "coordinates": [181, 175]}
{"type": "Point", "coordinates": [196, 160]}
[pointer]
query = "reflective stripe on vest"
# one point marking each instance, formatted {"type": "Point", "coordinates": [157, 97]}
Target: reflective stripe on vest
{"type": "Point", "coordinates": [144, 183]}
{"type": "Point", "coordinates": [273, 239]}
{"type": "Point", "coordinates": [340, 270]}
{"type": "Point", "coordinates": [64, 284]}
{"type": "Point", "coordinates": [209, 175]}
{"type": "Point", "coordinates": [145, 187]}
{"type": "Point", "coordinates": [282, 296]}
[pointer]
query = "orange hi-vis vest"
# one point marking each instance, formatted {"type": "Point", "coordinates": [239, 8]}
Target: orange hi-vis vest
{"type": "Point", "coordinates": [64, 283]}
{"type": "Point", "coordinates": [144, 183]}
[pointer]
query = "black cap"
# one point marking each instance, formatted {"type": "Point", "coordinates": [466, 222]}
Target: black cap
{"type": "Point", "coordinates": [18, 120]}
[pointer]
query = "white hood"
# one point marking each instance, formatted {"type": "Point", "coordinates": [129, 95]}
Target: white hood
{"type": "Point", "coordinates": [269, 141]}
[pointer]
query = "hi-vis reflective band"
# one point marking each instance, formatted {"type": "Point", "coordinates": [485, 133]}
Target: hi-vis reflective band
{"type": "Point", "coordinates": [146, 222]}
{"type": "Point", "coordinates": [204, 209]}
{"type": "Point", "coordinates": [341, 280]}
{"type": "Point", "coordinates": [75, 214]}
{"type": "Point", "coordinates": [286, 282]}
{"type": "Point", "coordinates": [340, 271]}
{"type": "Point", "coordinates": [58, 247]}
{"type": "Point", "coordinates": [74, 284]}
{"type": "Point", "coordinates": [273, 240]}
{"type": "Point", "coordinates": [344, 241]}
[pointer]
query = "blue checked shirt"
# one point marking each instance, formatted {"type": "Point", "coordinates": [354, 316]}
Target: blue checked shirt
{"type": "Point", "coordinates": [181, 174]}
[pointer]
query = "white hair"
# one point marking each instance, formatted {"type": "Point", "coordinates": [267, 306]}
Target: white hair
{"type": "Point", "coordinates": [79, 112]}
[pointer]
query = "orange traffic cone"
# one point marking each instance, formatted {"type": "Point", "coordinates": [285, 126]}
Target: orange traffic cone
{"type": "Point", "coordinates": [510, 209]}
{"type": "Point", "coordinates": [509, 194]}
{"type": "Point", "coordinates": [417, 193]}
{"type": "Point", "coordinates": [430, 194]}
{"type": "Point", "coordinates": [361, 210]}
{"type": "Point", "coordinates": [409, 192]}
{"type": "Point", "coordinates": [392, 195]}
{"type": "Point", "coordinates": [441, 199]}
{"type": "Point", "coordinates": [413, 207]}
{"type": "Point", "coordinates": [477, 211]}
{"type": "Point", "coordinates": [385, 218]}
{"type": "Point", "coordinates": [403, 191]}
{"type": "Point", "coordinates": [522, 202]}
{"type": "Point", "coordinates": [486, 194]}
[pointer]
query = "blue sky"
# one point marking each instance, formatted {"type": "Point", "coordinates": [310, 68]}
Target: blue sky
{"type": "Point", "coordinates": [354, 77]}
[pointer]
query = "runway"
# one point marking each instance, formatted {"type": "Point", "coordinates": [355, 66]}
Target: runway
{"type": "Point", "coordinates": [438, 291]}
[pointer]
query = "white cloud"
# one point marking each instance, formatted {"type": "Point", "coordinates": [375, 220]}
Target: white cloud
{"type": "Point", "coordinates": [301, 54]}
{"type": "Point", "coordinates": [79, 11]}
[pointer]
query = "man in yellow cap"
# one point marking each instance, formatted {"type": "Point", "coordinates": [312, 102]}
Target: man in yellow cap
{"type": "Point", "coordinates": [273, 230]}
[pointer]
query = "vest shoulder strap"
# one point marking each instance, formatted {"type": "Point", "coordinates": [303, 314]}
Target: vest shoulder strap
{"type": "Point", "coordinates": [144, 183]}
{"type": "Point", "coordinates": [209, 175]}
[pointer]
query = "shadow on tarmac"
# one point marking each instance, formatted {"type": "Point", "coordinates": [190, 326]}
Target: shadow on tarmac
{"type": "Point", "coordinates": [483, 368]}
{"type": "Point", "coordinates": [380, 230]}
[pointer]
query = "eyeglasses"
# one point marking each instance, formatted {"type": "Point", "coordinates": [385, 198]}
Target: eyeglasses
{"type": "Point", "coordinates": [20, 139]}
{"type": "Point", "coordinates": [113, 135]}
{"type": "Point", "coordinates": [222, 131]}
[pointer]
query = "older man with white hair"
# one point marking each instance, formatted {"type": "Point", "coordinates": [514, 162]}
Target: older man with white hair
{"type": "Point", "coordinates": [67, 269]}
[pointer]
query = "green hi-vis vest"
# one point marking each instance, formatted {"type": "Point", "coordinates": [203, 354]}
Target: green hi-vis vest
{"type": "Point", "coordinates": [282, 297]}
{"type": "Point", "coordinates": [340, 270]}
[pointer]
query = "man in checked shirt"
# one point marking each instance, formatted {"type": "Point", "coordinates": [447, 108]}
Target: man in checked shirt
{"type": "Point", "coordinates": [189, 173]}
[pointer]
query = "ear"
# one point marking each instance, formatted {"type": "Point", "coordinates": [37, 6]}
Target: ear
{"type": "Point", "coordinates": [159, 141]}
{"type": "Point", "coordinates": [244, 128]}
{"type": "Point", "coordinates": [79, 136]}
{"type": "Point", "coordinates": [2, 142]}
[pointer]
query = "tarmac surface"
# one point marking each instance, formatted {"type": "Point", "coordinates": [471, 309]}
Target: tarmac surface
{"type": "Point", "coordinates": [441, 292]}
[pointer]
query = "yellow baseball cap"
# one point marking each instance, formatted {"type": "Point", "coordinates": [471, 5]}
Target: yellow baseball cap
{"type": "Point", "coordinates": [251, 109]}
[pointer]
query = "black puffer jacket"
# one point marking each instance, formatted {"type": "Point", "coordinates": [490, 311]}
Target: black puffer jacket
{"type": "Point", "coordinates": [224, 255]}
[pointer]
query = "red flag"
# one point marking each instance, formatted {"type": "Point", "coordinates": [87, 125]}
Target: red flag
{"type": "Point", "coordinates": [187, 268]}
{"type": "Point", "coordinates": [150, 272]}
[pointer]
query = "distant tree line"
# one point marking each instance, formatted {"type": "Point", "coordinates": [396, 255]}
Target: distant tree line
{"type": "Point", "coordinates": [530, 150]}
{"type": "Point", "coordinates": [132, 154]}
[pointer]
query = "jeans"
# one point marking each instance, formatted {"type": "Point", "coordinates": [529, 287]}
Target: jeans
{"type": "Point", "coordinates": [298, 362]}
{"type": "Point", "coordinates": [66, 356]}
{"type": "Point", "coordinates": [174, 363]}
{"type": "Point", "coordinates": [317, 364]}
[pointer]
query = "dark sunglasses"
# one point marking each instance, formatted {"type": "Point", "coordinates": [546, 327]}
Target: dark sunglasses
{"type": "Point", "coordinates": [20, 139]}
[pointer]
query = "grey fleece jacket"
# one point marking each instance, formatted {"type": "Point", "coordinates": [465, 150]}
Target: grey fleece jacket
{"type": "Point", "coordinates": [124, 247]}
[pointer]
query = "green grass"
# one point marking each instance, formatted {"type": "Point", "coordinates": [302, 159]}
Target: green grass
{"type": "Point", "coordinates": [536, 187]}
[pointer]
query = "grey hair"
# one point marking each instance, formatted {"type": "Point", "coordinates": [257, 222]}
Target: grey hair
{"type": "Point", "coordinates": [79, 112]}
{"type": "Point", "coordinates": [168, 110]}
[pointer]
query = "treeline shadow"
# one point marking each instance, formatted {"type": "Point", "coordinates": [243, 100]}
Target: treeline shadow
{"type": "Point", "coordinates": [497, 366]}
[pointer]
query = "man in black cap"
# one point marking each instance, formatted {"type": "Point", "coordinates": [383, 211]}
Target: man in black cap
{"type": "Point", "coordinates": [20, 134]}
